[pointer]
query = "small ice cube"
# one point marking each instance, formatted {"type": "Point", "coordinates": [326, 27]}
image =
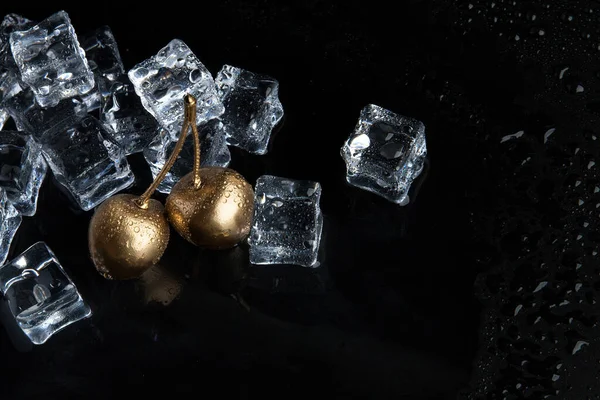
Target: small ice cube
{"type": "Point", "coordinates": [22, 170]}
{"type": "Point", "coordinates": [252, 107]}
{"type": "Point", "coordinates": [131, 126]}
{"type": "Point", "coordinates": [87, 163]}
{"type": "Point", "coordinates": [10, 220]}
{"type": "Point", "coordinates": [162, 81]}
{"type": "Point", "coordinates": [382, 164]}
{"type": "Point", "coordinates": [51, 61]}
{"type": "Point", "coordinates": [40, 295]}
{"type": "Point", "coordinates": [213, 152]}
{"type": "Point", "coordinates": [287, 222]}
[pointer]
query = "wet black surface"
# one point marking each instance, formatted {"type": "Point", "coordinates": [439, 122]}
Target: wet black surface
{"type": "Point", "coordinates": [421, 301]}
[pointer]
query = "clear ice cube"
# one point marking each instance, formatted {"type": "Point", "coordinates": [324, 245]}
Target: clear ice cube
{"type": "Point", "coordinates": [51, 61]}
{"type": "Point", "coordinates": [252, 107]}
{"type": "Point", "coordinates": [40, 295]}
{"type": "Point", "coordinates": [10, 220]}
{"type": "Point", "coordinates": [162, 80]}
{"type": "Point", "coordinates": [88, 164]}
{"type": "Point", "coordinates": [9, 85]}
{"type": "Point", "coordinates": [104, 61]}
{"type": "Point", "coordinates": [39, 122]}
{"type": "Point", "coordinates": [131, 126]}
{"type": "Point", "coordinates": [213, 152]}
{"type": "Point", "coordinates": [385, 153]}
{"type": "Point", "coordinates": [287, 222]}
{"type": "Point", "coordinates": [11, 23]}
{"type": "Point", "coordinates": [22, 170]}
{"type": "Point", "coordinates": [3, 117]}
{"type": "Point", "coordinates": [103, 54]}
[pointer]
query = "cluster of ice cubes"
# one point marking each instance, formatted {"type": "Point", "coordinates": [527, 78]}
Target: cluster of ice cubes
{"type": "Point", "coordinates": [78, 111]}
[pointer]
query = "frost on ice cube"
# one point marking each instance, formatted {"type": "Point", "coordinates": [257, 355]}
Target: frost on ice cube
{"type": "Point", "coordinates": [39, 122]}
{"type": "Point", "coordinates": [213, 152]}
{"type": "Point", "coordinates": [91, 167]}
{"type": "Point", "coordinates": [252, 107]}
{"type": "Point", "coordinates": [10, 220]}
{"type": "Point", "coordinates": [385, 153]}
{"type": "Point", "coordinates": [287, 222]}
{"type": "Point", "coordinates": [40, 295]}
{"type": "Point", "coordinates": [164, 79]}
{"type": "Point", "coordinates": [131, 126]}
{"type": "Point", "coordinates": [22, 170]}
{"type": "Point", "coordinates": [51, 61]}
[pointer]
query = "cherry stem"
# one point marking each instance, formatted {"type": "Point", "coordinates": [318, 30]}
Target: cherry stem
{"type": "Point", "coordinates": [189, 120]}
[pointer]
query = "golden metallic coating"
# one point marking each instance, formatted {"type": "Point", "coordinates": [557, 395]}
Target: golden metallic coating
{"type": "Point", "coordinates": [218, 214]}
{"type": "Point", "coordinates": [189, 119]}
{"type": "Point", "coordinates": [128, 235]}
{"type": "Point", "coordinates": [125, 239]}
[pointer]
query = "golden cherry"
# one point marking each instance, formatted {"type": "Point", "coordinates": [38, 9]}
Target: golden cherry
{"type": "Point", "coordinates": [216, 212]}
{"type": "Point", "coordinates": [126, 238]}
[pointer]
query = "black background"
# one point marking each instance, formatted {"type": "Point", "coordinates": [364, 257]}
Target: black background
{"type": "Point", "coordinates": [392, 311]}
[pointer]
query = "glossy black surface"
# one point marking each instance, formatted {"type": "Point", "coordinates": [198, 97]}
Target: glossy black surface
{"type": "Point", "coordinates": [392, 312]}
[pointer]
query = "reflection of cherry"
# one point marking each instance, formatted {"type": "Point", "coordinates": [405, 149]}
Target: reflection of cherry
{"type": "Point", "coordinates": [160, 285]}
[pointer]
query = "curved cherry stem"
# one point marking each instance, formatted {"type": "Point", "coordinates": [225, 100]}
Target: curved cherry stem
{"type": "Point", "coordinates": [189, 120]}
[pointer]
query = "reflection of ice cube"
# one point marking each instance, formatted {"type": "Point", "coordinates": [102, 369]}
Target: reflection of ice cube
{"type": "Point", "coordinates": [131, 126]}
{"type": "Point", "coordinates": [40, 295]}
{"type": "Point", "coordinates": [162, 81]}
{"type": "Point", "coordinates": [213, 152]}
{"type": "Point", "coordinates": [22, 170]}
{"type": "Point", "coordinates": [385, 153]}
{"type": "Point", "coordinates": [10, 220]}
{"type": "Point", "coordinates": [51, 61]}
{"type": "Point", "coordinates": [84, 161]}
{"type": "Point", "coordinates": [31, 118]}
{"type": "Point", "coordinates": [252, 107]}
{"type": "Point", "coordinates": [287, 222]}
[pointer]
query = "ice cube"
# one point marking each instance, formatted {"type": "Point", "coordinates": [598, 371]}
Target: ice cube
{"type": "Point", "coordinates": [104, 61]}
{"type": "Point", "coordinates": [3, 117]}
{"type": "Point", "coordinates": [385, 153]}
{"type": "Point", "coordinates": [9, 85]}
{"type": "Point", "coordinates": [40, 295]}
{"type": "Point", "coordinates": [10, 220]}
{"type": "Point", "coordinates": [102, 54]}
{"type": "Point", "coordinates": [37, 121]}
{"type": "Point", "coordinates": [9, 75]}
{"type": "Point", "coordinates": [164, 79]}
{"type": "Point", "coordinates": [252, 107]}
{"type": "Point", "coordinates": [213, 152]}
{"type": "Point", "coordinates": [22, 170]}
{"type": "Point", "coordinates": [89, 165]}
{"type": "Point", "coordinates": [287, 222]}
{"type": "Point", "coordinates": [131, 126]}
{"type": "Point", "coordinates": [11, 23]}
{"type": "Point", "coordinates": [51, 61]}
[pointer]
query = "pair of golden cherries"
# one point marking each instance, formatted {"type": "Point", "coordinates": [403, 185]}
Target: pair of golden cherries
{"type": "Point", "coordinates": [210, 207]}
